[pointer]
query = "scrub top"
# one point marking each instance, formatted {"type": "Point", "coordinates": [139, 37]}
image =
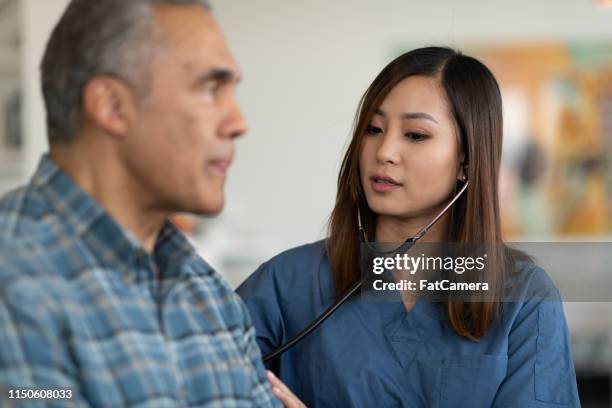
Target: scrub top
{"type": "Point", "coordinates": [376, 354]}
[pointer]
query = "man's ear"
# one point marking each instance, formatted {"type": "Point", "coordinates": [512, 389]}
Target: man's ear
{"type": "Point", "coordinates": [109, 104]}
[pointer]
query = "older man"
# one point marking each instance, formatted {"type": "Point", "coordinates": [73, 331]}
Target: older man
{"type": "Point", "coordinates": [102, 301]}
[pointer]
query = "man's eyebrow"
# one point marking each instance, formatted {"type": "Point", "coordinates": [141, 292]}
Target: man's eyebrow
{"type": "Point", "coordinates": [409, 115]}
{"type": "Point", "coordinates": [219, 75]}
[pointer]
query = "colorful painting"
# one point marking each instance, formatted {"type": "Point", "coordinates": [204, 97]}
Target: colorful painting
{"type": "Point", "coordinates": [556, 178]}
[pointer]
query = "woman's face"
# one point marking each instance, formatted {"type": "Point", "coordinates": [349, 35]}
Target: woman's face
{"type": "Point", "coordinates": [410, 159]}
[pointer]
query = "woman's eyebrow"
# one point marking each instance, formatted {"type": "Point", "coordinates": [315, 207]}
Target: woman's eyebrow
{"type": "Point", "coordinates": [409, 115]}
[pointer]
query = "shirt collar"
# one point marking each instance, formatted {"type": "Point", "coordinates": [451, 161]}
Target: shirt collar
{"type": "Point", "coordinates": [83, 216]}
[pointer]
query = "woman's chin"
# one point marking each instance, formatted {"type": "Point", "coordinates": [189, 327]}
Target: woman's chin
{"type": "Point", "coordinates": [391, 211]}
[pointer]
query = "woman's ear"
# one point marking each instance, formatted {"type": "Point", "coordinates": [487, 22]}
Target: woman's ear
{"type": "Point", "coordinates": [463, 167]}
{"type": "Point", "coordinates": [463, 171]}
{"type": "Point", "coordinates": [109, 104]}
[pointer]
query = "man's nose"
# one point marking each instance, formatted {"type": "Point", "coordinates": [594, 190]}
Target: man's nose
{"type": "Point", "coordinates": [235, 124]}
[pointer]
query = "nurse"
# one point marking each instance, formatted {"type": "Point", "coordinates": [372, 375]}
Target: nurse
{"type": "Point", "coordinates": [431, 120]}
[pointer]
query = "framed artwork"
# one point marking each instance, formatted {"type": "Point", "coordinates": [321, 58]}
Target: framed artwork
{"type": "Point", "coordinates": [556, 177]}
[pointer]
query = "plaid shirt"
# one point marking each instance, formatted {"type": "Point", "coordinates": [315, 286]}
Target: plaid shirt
{"type": "Point", "coordinates": [83, 307]}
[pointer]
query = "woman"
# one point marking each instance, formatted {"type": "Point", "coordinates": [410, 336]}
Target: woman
{"type": "Point", "coordinates": [430, 122]}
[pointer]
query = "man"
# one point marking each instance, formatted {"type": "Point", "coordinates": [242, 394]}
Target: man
{"type": "Point", "coordinates": [102, 300]}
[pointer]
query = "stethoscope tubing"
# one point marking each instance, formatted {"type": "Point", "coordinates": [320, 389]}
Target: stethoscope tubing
{"type": "Point", "coordinates": [363, 238]}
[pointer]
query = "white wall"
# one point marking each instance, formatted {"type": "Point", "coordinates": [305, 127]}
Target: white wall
{"type": "Point", "coordinates": [306, 63]}
{"type": "Point", "coordinates": [37, 20]}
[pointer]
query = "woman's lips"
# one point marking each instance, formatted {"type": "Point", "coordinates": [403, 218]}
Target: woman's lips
{"type": "Point", "coordinates": [383, 184]}
{"type": "Point", "coordinates": [384, 188]}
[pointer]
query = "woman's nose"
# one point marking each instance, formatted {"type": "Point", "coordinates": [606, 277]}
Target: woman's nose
{"type": "Point", "coordinates": [388, 151]}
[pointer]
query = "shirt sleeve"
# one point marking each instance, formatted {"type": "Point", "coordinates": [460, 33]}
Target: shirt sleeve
{"type": "Point", "coordinates": [262, 391]}
{"type": "Point", "coordinates": [33, 353]}
{"type": "Point", "coordinates": [540, 369]}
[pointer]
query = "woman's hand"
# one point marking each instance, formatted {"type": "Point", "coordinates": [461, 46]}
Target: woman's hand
{"type": "Point", "coordinates": [283, 393]}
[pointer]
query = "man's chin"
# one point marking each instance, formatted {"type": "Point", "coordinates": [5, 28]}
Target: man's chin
{"type": "Point", "coordinates": [209, 208]}
{"type": "Point", "coordinates": [201, 204]}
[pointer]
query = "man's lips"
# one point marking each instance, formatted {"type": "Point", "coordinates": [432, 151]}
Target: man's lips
{"type": "Point", "coordinates": [220, 166]}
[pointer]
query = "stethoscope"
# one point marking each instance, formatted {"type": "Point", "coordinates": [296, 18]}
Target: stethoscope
{"type": "Point", "coordinates": [363, 238]}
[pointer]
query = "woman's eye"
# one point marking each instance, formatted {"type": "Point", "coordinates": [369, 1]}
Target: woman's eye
{"type": "Point", "coordinates": [373, 130]}
{"type": "Point", "coordinates": [417, 137]}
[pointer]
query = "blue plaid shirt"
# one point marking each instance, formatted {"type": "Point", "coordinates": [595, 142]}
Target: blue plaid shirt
{"type": "Point", "coordinates": [83, 307]}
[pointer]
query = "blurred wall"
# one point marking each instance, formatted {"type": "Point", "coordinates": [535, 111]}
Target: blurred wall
{"type": "Point", "coordinates": [37, 20]}
{"type": "Point", "coordinates": [305, 66]}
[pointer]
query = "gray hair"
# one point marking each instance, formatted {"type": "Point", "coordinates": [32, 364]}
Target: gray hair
{"type": "Point", "coordinates": [118, 38]}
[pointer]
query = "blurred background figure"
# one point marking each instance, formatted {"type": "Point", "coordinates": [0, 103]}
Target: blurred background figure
{"type": "Point", "coordinates": [306, 65]}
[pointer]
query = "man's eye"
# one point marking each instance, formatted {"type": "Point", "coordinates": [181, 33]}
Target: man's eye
{"type": "Point", "coordinates": [211, 89]}
{"type": "Point", "coordinates": [417, 137]}
{"type": "Point", "coordinates": [373, 130]}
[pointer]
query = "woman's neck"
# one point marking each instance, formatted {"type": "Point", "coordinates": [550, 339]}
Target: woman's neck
{"type": "Point", "coordinates": [398, 229]}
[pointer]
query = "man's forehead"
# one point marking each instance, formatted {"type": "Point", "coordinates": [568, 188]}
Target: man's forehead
{"type": "Point", "coordinates": [198, 61]}
{"type": "Point", "coordinates": [193, 36]}
{"type": "Point", "coordinates": [186, 17]}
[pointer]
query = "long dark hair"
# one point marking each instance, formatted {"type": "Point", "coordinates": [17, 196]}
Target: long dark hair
{"type": "Point", "coordinates": [475, 104]}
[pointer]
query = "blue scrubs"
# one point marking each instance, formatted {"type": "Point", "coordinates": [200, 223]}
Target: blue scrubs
{"type": "Point", "coordinates": [375, 354]}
